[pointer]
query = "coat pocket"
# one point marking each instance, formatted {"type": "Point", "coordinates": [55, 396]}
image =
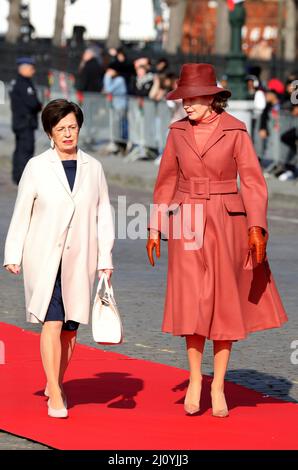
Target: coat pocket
{"type": "Point", "coordinates": [175, 202]}
{"type": "Point", "coordinates": [234, 203]}
{"type": "Point", "coordinates": [250, 260]}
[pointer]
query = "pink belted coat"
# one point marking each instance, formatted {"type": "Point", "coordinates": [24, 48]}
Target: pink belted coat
{"type": "Point", "coordinates": [214, 287]}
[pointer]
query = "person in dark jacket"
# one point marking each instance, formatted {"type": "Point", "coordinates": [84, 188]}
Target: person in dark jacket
{"type": "Point", "coordinates": [144, 78]}
{"type": "Point", "coordinates": [125, 67]}
{"type": "Point", "coordinates": [290, 138]}
{"type": "Point", "coordinates": [25, 107]}
{"type": "Point", "coordinates": [91, 72]}
{"type": "Point", "coordinates": [268, 125]}
{"type": "Point", "coordinates": [89, 84]}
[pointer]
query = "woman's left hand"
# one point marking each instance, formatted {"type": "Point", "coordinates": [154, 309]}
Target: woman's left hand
{"type": "Point", "coordinates": [108, 272]}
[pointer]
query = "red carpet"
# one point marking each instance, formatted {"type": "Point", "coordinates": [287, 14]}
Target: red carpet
{"type": "Point", "coordinates": [118, 402]}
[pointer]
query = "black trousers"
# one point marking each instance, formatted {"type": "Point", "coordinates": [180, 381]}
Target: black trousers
{"type": "Point", "coordinates": [24, 150]}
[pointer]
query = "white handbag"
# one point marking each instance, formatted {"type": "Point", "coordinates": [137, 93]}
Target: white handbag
{"type": "Point", "coordinates": [106, 322]}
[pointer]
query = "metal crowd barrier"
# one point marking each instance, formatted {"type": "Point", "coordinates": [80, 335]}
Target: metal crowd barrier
{"type": "Point", "coordinates": [147, 126]}
{"type": "Point", "coordinates": [143, 124]}
{"type": "Point", "coordinates": [5, 113]}
{"type": "Point", "coordinates": [272, 150]}
{"type": "Point", "coordinates": [61, 83]}
{"type": "Point", "coordinates": [146, 122]}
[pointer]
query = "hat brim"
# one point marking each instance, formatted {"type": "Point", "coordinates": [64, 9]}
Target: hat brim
{"type": "Point", "coordinates": [190, 92]}
{"type": "Point", "coordinates": [25, 61]}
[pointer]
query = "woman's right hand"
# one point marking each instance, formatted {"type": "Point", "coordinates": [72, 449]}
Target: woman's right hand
{"type": "Point", "coordinates": [153, 242]}
{"type": "Point", "coordinates": [13, 268]}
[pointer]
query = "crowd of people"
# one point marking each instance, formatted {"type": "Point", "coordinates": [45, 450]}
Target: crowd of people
{"type": "Point", "coordinates": [117, 77]}
{"type": "Point", "coordinates": [121, 78]}
{"type": "Point", "coordinates": [273, 101]}
{"type": "Point", "coordinates": [140, 78]}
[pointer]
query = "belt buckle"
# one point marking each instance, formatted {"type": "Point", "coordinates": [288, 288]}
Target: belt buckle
{"type": "Point", "coordinates": [200, 180]}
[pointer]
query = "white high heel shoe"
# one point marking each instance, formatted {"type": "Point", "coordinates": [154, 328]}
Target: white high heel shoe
{"type": "Point", "coordinates": [54, 413]}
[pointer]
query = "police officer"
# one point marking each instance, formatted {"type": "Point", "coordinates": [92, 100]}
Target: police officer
{"type": "Point", "coordinates": [25, 107]}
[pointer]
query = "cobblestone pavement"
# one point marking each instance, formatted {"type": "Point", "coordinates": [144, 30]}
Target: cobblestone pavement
{"type": "Point", "coordinates": [261, 362]}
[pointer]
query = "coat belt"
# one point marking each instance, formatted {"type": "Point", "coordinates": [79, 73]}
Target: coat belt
{"type": "Point", "coordinates": [203, 187]}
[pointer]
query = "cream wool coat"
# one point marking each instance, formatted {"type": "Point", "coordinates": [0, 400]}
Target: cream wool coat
{"type": "Point", "coordinates": [51, 222]}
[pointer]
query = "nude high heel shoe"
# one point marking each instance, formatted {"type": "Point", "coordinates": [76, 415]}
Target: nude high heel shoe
{"type": "Point", "coordinates": [192, 408]}
{"type": "Point", "coordinates": [54, 413]}
{"type": "Point", "coordinates": [48, 396]}
{"type": "Point", "coordinates": [222, 412]}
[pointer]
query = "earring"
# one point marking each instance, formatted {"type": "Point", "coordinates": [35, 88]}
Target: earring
{"type": "Point", "coordinates": [52, 144]}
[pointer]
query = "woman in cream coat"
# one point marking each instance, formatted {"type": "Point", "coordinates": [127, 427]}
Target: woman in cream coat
{"type": "Point", "coordinates": [62, 233]}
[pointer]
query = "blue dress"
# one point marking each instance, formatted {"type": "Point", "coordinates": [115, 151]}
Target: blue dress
{"type": "Point", "coordinates": [56, 308]}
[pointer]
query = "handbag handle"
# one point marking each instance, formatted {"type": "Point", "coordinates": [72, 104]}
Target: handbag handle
{"type": "Point", "coordinates": [108, 289]}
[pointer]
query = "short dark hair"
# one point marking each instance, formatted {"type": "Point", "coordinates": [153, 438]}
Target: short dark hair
{"type": "Point", "coordinates": [56, 110]}
{"type": "Point", "coordinates": [220, 102]}
{"type": "Point", "coordinates": [163, 59]}
{"type": "Point", "coordinates": [120, 50]}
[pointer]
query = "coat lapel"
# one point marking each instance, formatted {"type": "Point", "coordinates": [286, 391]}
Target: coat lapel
{"type": "Point", "coordinates": [60, 173]}
{"type": "Point", "coordinates": [59, 170]}
{"type": "Point", "coordinates": [188, 134]}
{"type": "Point", "coordinates": [82, 169]}
{"type": "Point", "coordinates": [216, 135]}
{"type": "Point", "coordinates": [226, 122]}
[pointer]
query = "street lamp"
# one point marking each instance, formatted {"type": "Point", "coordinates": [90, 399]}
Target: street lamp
{"type": "Point", "coordinates": [236, 58]}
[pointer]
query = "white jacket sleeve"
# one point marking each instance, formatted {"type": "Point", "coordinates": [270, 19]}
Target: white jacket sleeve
{"type": "Point", "coordinates": [20, 221]}
{"type": "Point", "coordinates": [105, 226]}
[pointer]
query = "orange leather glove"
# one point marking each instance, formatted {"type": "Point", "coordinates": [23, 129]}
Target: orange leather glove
{"type": "Point", "coordinates": [153, 242]}
{"type": "Point", "coordinates": [257, 240]}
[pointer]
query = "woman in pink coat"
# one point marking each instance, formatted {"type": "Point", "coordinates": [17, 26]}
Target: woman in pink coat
{"type": "Point", "coordinates": [219, 284]}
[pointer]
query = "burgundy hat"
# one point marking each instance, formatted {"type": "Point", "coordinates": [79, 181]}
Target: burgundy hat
{"type": "Point", "coordinates": [196, 80]}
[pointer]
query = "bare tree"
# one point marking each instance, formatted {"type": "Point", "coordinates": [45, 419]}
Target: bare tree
{"type": "Point", "coordinates": [115, 14]}
{"type": "Point", "coordinates": [14, 21]}
{"type": "Point", "coordinates": [59, 23]}
{"type": "Point", "coordinates": [223, 29]}
{"type": "Point", "coordinates": [175, 33]}
{"type": "Point", "coordinates": [290, 31]}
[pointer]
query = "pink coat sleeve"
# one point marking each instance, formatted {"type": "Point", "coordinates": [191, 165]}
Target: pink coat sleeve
{"type": "Point", "coordinates": [253, 185]}
{"type": "Point", "coordinates": [165, 187]}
